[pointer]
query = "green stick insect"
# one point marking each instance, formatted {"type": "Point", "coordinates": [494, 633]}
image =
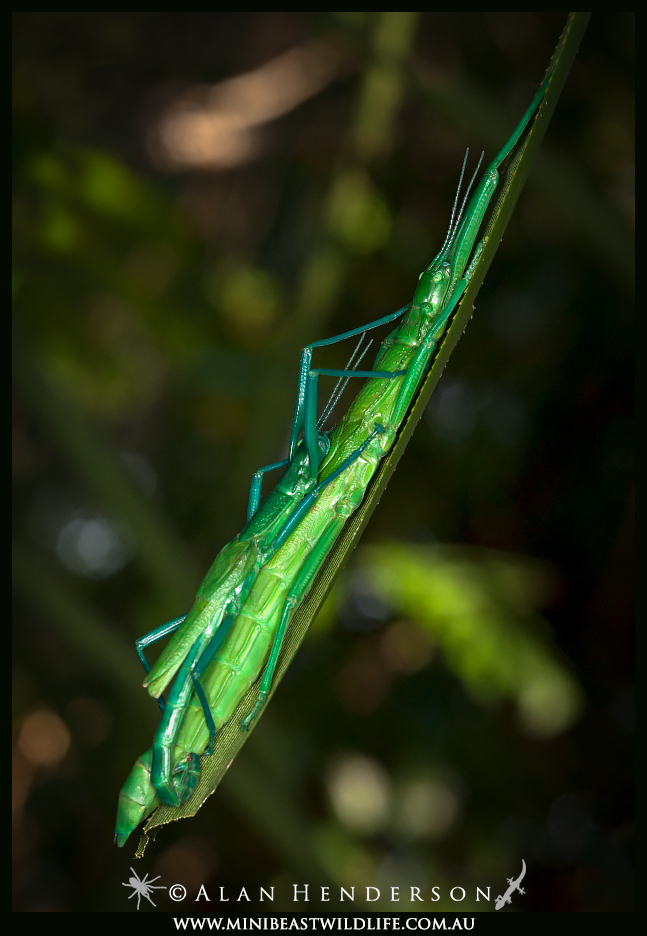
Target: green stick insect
{"type": "Point", "coordinates": [235, 629]}
{"type": "Point", "coordinates": [168, 775]}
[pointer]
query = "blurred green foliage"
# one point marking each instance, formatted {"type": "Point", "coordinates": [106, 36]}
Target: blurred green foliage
{"type": "Point", "coordinates": [481, 613]}
{"type": "Point", "coordinates": [455, 707]}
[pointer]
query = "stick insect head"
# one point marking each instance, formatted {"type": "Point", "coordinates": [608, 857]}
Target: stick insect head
{"type": "Point", "coordinates": [433, 286]}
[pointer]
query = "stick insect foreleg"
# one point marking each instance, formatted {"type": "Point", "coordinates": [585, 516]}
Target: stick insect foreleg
{"type": "Point", "coordinates": [304, 399]}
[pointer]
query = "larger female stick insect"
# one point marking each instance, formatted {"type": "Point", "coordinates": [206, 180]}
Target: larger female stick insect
{"type": "Point", "coordinates": [235, 629]}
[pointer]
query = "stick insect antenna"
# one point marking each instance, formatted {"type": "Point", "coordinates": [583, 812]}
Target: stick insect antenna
{"type": "Point", "coordinates": [456, 197]}
{"type": "Point", "coordinates": [348, 364]}
{"type": "Point", "coordinates": [469, 188]}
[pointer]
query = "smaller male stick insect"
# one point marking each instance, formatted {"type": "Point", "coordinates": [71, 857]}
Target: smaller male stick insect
{"type": "Point", "coordinates": [236, 627]}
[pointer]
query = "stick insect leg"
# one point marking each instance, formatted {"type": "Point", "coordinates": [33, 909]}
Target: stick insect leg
{"type": "Point", "coordinates": [152, 637]}
{"type": "Point", "coordinates": [295, 593]}
{"type": "Point", "coordinates": [257, 479]}
{"type": "Point", "coordinates": [187, 679]}
{"type": "Point", "coordinates": [208, 717]}
{"type": "Point", "coordinates": [162, 773]}
{"type": "Point", "coordinates": [463, 235]}
{"type": "Point", "coordinates": [255, 487]}
{"type": "Point", "coordinates": [310, 408]}
{"type": "Point", "coordinates": [304, 368]}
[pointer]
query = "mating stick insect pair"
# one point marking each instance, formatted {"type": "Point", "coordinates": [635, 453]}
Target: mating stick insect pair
{"type": "Point", "coordinates": [235, 629]}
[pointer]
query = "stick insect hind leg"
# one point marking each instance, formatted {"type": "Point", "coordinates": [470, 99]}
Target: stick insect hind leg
{"type": "Point", "coordinates": [186, 772]}
{"type": "Point", "coordinates": [139, 796]}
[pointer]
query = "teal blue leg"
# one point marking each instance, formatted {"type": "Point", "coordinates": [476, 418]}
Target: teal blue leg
{"type": "Point", "coordinates": [257, 479]}
{"type": "Point", "coordinates": [175, 786]}
{"type": "Point", "coordinates": [208, 717]}
{"type": "Point", "coordinates": [310, 395]}
{"type": "Point", "coordinates": [303, 389]}
{"type": "Point", "coordinates": [152, 637]}
{"type": "Point", "coordinates": [255, 487]}
{"type": "Point", "coordinates": [523, 123]}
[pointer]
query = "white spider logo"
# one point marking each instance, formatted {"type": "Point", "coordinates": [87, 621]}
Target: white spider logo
{"type": "Point", "coordinates": [142, 888]}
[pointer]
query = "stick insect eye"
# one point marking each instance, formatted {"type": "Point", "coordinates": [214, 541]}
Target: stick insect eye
{"type": "Point", "coordinates": [438, 277]}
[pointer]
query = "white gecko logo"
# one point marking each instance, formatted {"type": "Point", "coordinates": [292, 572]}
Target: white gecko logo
{"type": "Point", "coordinates": [514, 885]}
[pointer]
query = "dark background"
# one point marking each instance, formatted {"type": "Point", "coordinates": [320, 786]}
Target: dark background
{"type": "Point", "coordinates": [159, 312]}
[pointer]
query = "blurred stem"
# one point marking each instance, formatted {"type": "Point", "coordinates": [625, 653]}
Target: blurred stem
{"type": "Point", "coordinates": [324, 272]}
